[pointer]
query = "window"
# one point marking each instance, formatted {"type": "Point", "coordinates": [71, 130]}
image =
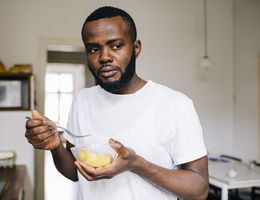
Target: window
{"type": "Point", "coordinates": [59, 94]}
{"type": "Point", "coordinates": [62, 81]}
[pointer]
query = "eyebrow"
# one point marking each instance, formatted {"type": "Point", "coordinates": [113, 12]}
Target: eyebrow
{"type": "Point", "coordinates": [108, 42]}
{"type": "Point", "coordinates": [113, 40]}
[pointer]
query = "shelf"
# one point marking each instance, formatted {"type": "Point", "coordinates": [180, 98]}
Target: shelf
{"type": "Point", "coordinates": [13, 179]}
{"type": "Point", "coordinates": [16, 91]}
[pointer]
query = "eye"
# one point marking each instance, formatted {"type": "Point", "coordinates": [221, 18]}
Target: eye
{"type": "Point", "coordinates": [92, 50]}
{"type": "Point", "coordinates": [116, 46]}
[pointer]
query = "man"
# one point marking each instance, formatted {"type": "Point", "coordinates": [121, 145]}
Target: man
{"type": "Point", "coordinates": [161, 153]}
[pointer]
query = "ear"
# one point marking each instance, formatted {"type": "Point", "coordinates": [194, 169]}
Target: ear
{"type": "Point", "coordinates": [138, 48]}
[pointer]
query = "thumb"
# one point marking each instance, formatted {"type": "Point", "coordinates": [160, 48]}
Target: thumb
{"type": "Point", "coordinates": [117, 146]}
{"type": "Point", "coordinates": [36, 115]}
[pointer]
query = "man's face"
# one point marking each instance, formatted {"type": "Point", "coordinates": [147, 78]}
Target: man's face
{"type": "Point", "coordinates": [110, 52]}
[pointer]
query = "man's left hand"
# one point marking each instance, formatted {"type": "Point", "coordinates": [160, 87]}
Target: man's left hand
{"type": "Point", "coordinates": [125, 161]}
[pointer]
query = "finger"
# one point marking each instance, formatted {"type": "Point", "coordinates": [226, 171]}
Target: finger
{"type": "Point", "coordinates": [47, 144]}
{"type": "Point", "coordinates": [107, 171]}
{"type": "Point", "coordinates": [117, 146]}
{"type": "Point", "coordinates": [43, 129]}
{"type": "Point", "coordinates": [41, 136]}
{"type": "Point", "coordinates": [88, 169]}
{"type": "Point", "coordinates": [83, 172]}
{"type": "Point", "coordinates": [32, 123]}
{"type": "Point", "coordinates": [89, 172]}
{"type": "Point", "coordinates": [36, 115]}
{"type": "Point", "coordinates": [39, 130]}
{"type": "Point", "coordinates": [40, 142]}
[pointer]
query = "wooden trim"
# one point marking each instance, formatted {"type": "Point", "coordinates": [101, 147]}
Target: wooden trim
{"type": "Point", "coordinates": [45, 44]}
{"type": "Point", "coordinates": [258, 106]}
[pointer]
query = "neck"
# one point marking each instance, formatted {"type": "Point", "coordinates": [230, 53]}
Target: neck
{"type": "Point", "coordinates": [133, 86]}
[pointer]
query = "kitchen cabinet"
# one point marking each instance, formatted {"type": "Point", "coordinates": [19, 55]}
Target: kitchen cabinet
{"type": "Point", "coordinates": [13, 183]}
{"type": "Point", "coordinates": [16, 91]}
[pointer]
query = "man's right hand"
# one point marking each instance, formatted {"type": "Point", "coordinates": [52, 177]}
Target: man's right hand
{"type": "Point", "coordinates": [39, 134]}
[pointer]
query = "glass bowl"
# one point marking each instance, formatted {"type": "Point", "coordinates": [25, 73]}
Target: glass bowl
{"type": "Point", "coordinates": [95, 155]}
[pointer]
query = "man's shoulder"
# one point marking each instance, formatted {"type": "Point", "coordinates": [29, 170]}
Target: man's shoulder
{"type": "Point", "coordinates": [170, 93]}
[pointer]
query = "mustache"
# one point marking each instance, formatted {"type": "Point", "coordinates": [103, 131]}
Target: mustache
{"type": "Point", "coordinates": [107, 68]}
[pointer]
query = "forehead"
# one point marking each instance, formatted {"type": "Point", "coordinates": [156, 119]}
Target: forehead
{"type": "Point", "coordinates": [107, 28]}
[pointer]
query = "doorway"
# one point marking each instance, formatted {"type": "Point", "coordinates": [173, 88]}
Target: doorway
{"type": "Point", "coordinates": [62, 81]}
{"type": "Point", "coordinates": [65, 75]}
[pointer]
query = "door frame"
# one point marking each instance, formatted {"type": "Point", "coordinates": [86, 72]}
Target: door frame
{"type": "Point", "coordinates": [44, 43]}
{"type": "Point", "coordinates": [258, 105]}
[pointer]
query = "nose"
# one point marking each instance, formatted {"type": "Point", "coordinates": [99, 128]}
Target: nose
{"type": "Point", "coordinates": [105, 56]}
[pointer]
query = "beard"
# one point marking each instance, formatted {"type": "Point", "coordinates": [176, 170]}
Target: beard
{"type": "Point", "coordinates": [124, 79]}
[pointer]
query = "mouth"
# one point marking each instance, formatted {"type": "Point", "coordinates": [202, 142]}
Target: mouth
{"type": "Point", "coordinates": [108, 71]}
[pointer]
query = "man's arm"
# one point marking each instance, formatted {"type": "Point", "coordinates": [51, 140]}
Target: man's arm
{"type": "Point", "coordinates": [64, 161]}
{"type": "Point", "coordinates": [188, 182]}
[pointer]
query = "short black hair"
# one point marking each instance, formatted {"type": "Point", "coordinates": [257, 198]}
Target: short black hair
{"type": "Point", "coordinates": [108, 12]}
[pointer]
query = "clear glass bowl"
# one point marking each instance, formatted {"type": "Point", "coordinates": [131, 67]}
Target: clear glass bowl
{"type": "Point", "coordinates": [95, 155]}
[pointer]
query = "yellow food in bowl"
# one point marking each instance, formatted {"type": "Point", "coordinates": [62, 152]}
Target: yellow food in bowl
{"type": "Point", "coordinates": [95, 159]}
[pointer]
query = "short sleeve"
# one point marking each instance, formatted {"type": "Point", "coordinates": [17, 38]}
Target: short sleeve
{"type": "Point", "coordinates": [188, 143]}
{"type": "Point", "coordinates": [72, 123]}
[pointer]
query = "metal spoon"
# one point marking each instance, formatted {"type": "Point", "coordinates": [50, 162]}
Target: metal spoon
{"type": "Point", "coordinates": [60, 127]}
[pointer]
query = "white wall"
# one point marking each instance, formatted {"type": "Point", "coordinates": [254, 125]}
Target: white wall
{"type": "Point", "coordinates": [172, 37]}
{"type": "Point", "coordinates": [171, 32]}
{"type": "Point", "coordinates": [247, 49]}
{"type": "Point", "coordinates": [12, 138]}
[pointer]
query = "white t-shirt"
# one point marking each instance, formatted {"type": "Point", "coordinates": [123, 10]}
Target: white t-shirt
{"type": "Point", "coordinates": [160, 124]}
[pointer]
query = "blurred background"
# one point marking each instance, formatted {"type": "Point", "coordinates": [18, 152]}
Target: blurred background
{"type": "Point", "coordinates": [175, 38]}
